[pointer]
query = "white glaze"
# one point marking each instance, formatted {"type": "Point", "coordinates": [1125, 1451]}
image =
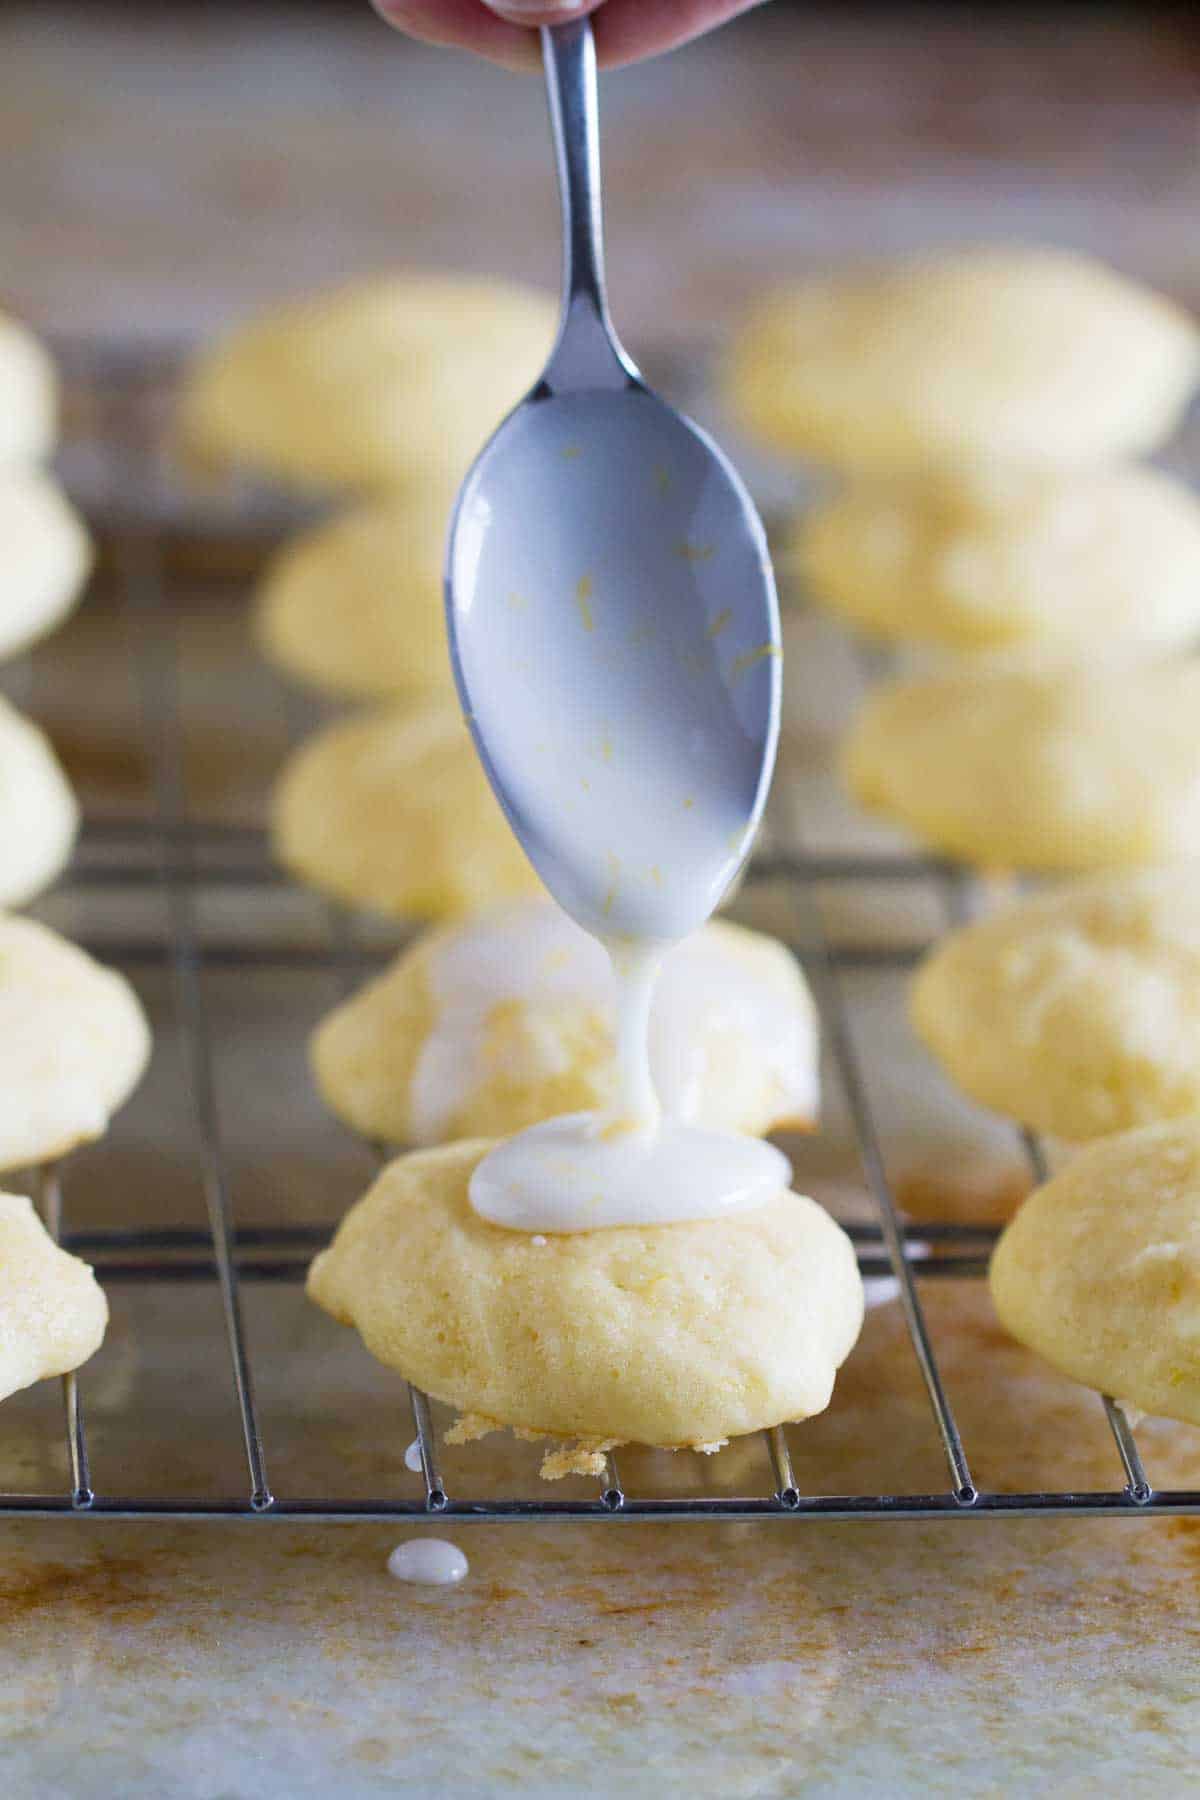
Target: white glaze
{"type": "Point", "coordinates": [412, 1457]}
{"type": "Point", "coordinates": [432, 1562]}
{"type": "Point", "coordinates": [590, 1171]}
{"type": "Point", "coordinates": [531, 951]}
{"type": "Point", "coordinates": [569, 1175]}
{"type": "Point", "coordinates": [635, 969]}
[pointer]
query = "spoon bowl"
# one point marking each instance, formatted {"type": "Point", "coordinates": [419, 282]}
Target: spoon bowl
{"type": "Point", "coordinates": [613, 620]}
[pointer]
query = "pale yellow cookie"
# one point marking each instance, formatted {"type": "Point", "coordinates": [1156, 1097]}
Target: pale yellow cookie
{"type": "Point", "coordinates": [1100, 1270]}
{"type": "Point", "coordinates": [1077, 1011]}
{"type": "Point", "coordinates": [483, 1028]}
{"type": "Point", "coordinates": [392, 810]}
{"type": "Point", "coordinates": [1030, 767]}
{"type": "Point", "coordinates": [369, 385]}
{"type": "Point", "coordinates": [38, 813]}
{"type": "Point", "coordinates": [1028, 355]}
{"type": "Point", "coordinates": [355, 606]}
{"type": "Point", "coordinates": [73, 1044]}
{"type": "Point", "coordinates": [28, 396]}
{"type": "Point", "coordinates": [1083, 559]}
{"type": "Point", "coordinates": [675, 1335]}
{"type": "Point", "coordinates": [53, 1312]}
{"type": "Point", "coordinates": [45, 557]}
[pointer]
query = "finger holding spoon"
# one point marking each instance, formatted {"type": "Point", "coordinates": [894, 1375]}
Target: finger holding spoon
{"type": "Point", "coordinates": [505, 31]}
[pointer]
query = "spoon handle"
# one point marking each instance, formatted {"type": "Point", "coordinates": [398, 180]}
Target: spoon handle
{"type": "Point", "coordinates": [586, 353]}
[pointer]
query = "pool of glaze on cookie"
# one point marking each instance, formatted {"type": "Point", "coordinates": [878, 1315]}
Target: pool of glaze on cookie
{"type": "Point", "coordinates": [570, 1174]}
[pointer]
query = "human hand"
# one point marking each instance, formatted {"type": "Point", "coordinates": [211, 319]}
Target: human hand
{"type": "Point", "coordinates": [505, 31]}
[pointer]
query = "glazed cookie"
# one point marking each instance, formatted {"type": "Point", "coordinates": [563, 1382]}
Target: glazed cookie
{"type": "Point", "coordinates": [1037, 767]}
{"type": "Point", "coordinates": [674, 1335]}
{"type": "Point", "coordinates": [392, 810]}
{"type": "Point", "coordinates": [1077, 1011]}
{"type": "Point", "coordinates": [355, 607]}
{"type": "Point", "coordinates": [46, 558]}
{"type": "Point", "coordinates": [53, 1312]}
{"type": "Point", "coordinates": [370, 385]}
{"type": "Point", "coordinates": [483, 1028]}
{"type": "Point", "coordinates": [1084, 559]}
{"type": "Point", "coordinates": [73, 1044]}
{"type": "Point", "coordinates": [1027, 355]}
{"type": "Point", "coordinates": [1100, 1270]}
{"type": "Point", "coordinates": [28, 396]}
{"type": "Point", "coordinates": [38, 813]}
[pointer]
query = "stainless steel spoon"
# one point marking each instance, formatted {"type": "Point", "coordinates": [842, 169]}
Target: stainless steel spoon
{"type": "Point", "coordinates": [612, 612]}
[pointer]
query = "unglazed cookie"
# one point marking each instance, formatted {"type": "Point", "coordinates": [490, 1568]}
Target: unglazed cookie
{"type": "Point", "coordinates": [675, 1335]}
{"type": "Point", "coordinates": [28, 396]}
{"type": "Point", "coordinates": [45, 556]}
{"type": "Point", "coordinates": [483, 1028]}
{"type": "Point", "coordinates": [392, 810]}
{"type": "Point", "coordinates": [1076, 1012]}
{"type": "Point", "coordinates": [53, 1312]}
{"type": "Point", "coordinates": [1100, 1270]}
{"type": "Point", "coordinates": [1027, 355]}
{"type": "Point", "coordinates": [38, 813]}
{"type": "Point", "coordinates": [372, 384]}
{"type": "Point", "coordinates": [73, 1044]}
{"type": "Point", "coordinates": [356, 607]}
{"type": "Point", "coordinates": [1084, 559]}
{"type": "Point", "coordinates": [1037, 767]}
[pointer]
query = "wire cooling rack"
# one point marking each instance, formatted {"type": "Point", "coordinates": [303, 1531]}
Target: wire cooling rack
{"type": "Point", "coordinates": [116, 462]}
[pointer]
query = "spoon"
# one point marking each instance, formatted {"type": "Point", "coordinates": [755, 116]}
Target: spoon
{"type": "Point", "coordinates": [613, 621]}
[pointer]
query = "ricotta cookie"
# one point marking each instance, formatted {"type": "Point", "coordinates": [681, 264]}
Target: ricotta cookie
{"type": "Point", "coordinates": [53, 1313]}
{"type": "Point", "coordinates": [38, 813]}
{"type": "Point", "coordinates": [673, 1335]}
{"type": "Point", "coordinates": [1032, 767]}
{"type": "Point", "coordinates": [1100, 1270]}
{"type": "Point", "coordinates": [392, 810]}
{"type": "Point", "coordinates": [28, 396]}
{"type": "Point", "coordinates": [484, 1028]}
{"type": "Point", "coordinates": [1022, 354]}
{"type": "Point", "coordinates": [1083, 560]}
{"type": "Point", "coordinates": [371, 385]}
{"type": "Point", "coordinates": [355, 607]}
{"type": "Point", "coordinates": [45, 559]}
{"type": "Point", "coordinates": [73, 1044]}
{"type": "Point", "coordinates": [1076, 1012]}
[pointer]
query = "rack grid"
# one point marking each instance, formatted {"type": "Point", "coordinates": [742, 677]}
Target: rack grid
{"type": "Point", "coordinates": [118, 392]}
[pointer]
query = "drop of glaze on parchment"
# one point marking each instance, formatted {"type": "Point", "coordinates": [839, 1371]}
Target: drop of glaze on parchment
{"type": "Point", "coordinates": [430, 1561]}
{"type": "Point", "coordinates": [412, 1457]}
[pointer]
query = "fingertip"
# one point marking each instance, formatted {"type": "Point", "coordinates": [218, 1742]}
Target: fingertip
{"type": "Point", "coordinates": [464, 25]}
{"type": "Point", "coordinates": [532, 14]}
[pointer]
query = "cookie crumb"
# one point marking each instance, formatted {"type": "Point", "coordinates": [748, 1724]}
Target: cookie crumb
{"type": "Point", "coordinates": [587, 1457]}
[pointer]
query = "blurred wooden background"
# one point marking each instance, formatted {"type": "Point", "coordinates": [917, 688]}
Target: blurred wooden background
{"type": "Point", "coordinates": [163, 167]}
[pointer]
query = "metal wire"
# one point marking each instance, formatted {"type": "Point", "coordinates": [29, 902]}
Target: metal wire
{"type": "Point", "coordinates": [157, 662]}
{"type": "Point", "coordinates": [172, 849]}
{"type": "Point", "coordinates": [836, 1021]}
{"type": "Point", "coordinates": [48, 1194]}
{"type": "Point", "coordinates": [341, 941]}
{"type": "Point", "coordinates": [966, 900]}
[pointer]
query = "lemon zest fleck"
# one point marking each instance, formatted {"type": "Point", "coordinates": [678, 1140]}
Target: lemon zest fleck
{"type": "Point", "coordinates": [747, 660]}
